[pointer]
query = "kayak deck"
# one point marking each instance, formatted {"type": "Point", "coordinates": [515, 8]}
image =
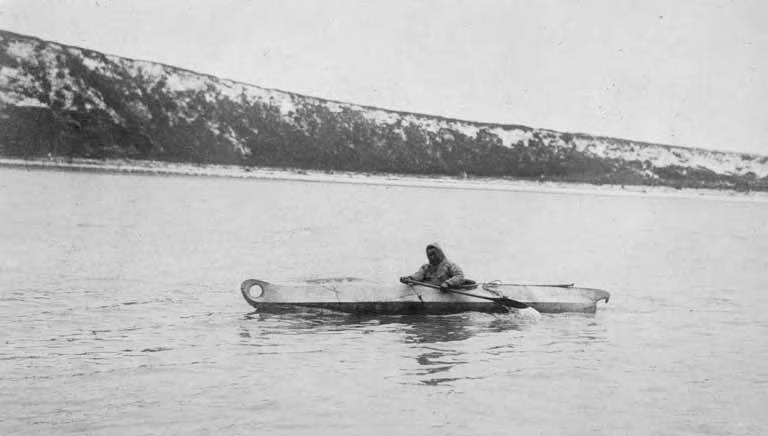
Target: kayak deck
{"type": "Point", "coordinates": [350, 295]}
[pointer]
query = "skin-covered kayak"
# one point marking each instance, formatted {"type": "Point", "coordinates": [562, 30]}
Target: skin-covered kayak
{"type": "Point", "coordinates": [351, 295]}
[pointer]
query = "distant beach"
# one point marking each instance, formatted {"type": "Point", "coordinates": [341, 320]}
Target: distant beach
{"type": "Point", "coordinates": [395, 180]}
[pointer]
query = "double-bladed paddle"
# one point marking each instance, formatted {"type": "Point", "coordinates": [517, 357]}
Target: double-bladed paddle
{"type": "Point", "coordinates": [501, 300]}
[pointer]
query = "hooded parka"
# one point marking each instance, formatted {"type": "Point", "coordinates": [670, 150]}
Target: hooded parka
{"type": "Point", "coordinates": [444, 271]}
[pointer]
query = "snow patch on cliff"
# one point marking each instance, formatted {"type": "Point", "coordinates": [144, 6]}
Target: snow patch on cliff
{"type": "Point", "coordinates": [433, 125]}
{"type": "Point", "coordinates": [285, 103]}
{"type": "Point", "coordinates": [253, 94]}
{"type": "Point", "coordinates": [468, 130]}
{"type": "Point", "coordinates": [31, 102]}
{"type": "Point", "coordinates": [97, 65]}
{"type": "Point", "coordinates": [231, 90]}
{"type": "Point", "coordinates": [663, 156]}
{"type": "Point", "coordinates": [334, 107]}
{"type": "Point", "coordinates": [380, 117]}
{"type": "Point", "coordinates": [14, 77]}
{"type": "Point", "coordinates": [15, 99]}
{"type": "Point", "coordinates": [148, 70]}
{"type": "Point", "coordinates": [182, 81]}
{"type": "Point", "coordinates": [510, 137]}
{"type": "Point", "coordinates": [229, 134]}
{"type": "Point", "coordinates": [15, 86]}
{"type": "Point", "coordinates": [21, 49]}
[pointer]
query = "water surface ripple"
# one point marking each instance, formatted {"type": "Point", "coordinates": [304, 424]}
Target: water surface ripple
{"type": "Point", "coordinates": [120, 311]}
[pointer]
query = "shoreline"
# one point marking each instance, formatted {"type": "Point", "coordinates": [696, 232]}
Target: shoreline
{"type": "Point", "coordinates": [128, 166]}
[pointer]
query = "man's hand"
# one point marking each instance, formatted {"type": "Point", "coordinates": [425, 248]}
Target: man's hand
{"type": "Point", "coordinates": [405, 279]}
{"type": "Point", "coordinates": [444, 286]}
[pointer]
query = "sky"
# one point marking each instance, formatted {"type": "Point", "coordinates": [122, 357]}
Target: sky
{"type": "Point", "coordinates": [682, 72]}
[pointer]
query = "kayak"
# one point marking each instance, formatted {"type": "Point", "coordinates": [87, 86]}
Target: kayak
{"type": "Point", "coordinates": [352, 295]}
{"type": "Point", "coordinates": [358, 296]}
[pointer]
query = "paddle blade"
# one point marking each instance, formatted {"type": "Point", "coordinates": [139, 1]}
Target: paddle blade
{"type": "Point", "coordinates": [513, 303]}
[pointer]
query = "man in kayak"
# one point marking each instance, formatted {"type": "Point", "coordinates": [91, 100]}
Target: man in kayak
{"type": "Point", "coordinates": [439, 271]}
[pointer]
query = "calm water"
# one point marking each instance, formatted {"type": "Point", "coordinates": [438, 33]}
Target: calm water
{"type": "Point", "coordinates": [120, 311]}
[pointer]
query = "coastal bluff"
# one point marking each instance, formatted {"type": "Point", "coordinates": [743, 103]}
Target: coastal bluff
{"type": "Point", "coordinates": [64, 101]}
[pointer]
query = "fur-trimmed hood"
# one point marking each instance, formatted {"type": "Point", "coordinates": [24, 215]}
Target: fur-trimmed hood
{"type": "Point", "coordinates": [439, 250]}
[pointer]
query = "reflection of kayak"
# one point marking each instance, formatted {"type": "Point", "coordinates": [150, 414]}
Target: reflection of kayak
{"type": "Point", "coordinates": [352, 295]}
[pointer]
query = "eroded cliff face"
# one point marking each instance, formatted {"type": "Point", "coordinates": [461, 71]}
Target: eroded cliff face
{"type": "Point", "coordinates": [67, 101]}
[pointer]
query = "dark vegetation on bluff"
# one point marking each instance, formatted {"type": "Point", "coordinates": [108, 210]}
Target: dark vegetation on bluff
{"type": "Point", "coordinates": [115, 112]}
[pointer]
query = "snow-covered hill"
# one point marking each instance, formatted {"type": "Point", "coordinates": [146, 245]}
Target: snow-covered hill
{"type": "Point", "coordinates": [68, 101]}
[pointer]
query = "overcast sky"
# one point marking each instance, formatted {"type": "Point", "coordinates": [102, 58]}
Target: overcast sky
{"type": "Point", "coordinates": [682, 72]}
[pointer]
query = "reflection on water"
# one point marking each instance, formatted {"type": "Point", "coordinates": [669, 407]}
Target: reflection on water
{"type": "Point", "coordinates": [414, 329]}
{"type": "Point", "coordinates": [436, 344]}
{"type": "Point", "coordinates": [430, 330]}
{"type": "Point", "coordinates": [437, 361]}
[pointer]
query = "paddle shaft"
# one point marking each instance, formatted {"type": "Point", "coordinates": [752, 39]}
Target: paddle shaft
{"type": "Point", "coordinates": [501, 300]}
{"type": "Point", "coordinates": [548, 285]}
